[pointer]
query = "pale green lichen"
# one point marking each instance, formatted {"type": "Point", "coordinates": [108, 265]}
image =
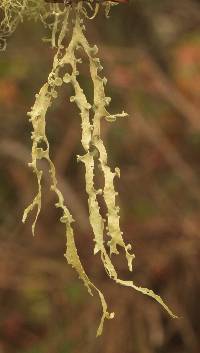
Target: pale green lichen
{"type": "Point", "coordinates": [12, 12]}
{"type": "Point", "coordinates": [70, 21]}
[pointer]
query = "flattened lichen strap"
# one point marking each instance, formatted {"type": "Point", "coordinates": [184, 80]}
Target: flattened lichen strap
{"type": "Point", "coordinates": [91, 116]}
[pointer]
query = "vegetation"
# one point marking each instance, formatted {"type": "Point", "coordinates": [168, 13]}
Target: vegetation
{"type": "Point", "coordinates": [68, 39]}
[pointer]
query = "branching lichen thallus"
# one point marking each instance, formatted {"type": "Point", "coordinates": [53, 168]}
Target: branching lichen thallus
{"type": "Point", "coordinates": [72, 46]}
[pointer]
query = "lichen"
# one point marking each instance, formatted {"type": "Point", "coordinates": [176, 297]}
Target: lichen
{"type": "Point", "coordinates": [68, 36]}
{"type": "Point", "coordinates": [12, 12]}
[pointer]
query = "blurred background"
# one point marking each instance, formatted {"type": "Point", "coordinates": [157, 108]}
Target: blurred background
{"type": "Point", "coordinates": [150, 51]}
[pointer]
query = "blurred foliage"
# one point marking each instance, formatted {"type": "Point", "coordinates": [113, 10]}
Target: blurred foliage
{"type": "Point", "coordinates": [150, 50]}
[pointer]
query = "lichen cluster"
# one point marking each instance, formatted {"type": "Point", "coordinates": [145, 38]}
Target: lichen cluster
{"type": "Point", "coordinates": [12, 12]}
{"type": "Point", "coordinates": [68, 36]}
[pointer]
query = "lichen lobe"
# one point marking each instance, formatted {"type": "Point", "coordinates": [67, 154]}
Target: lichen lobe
{"type": "Point", "coordinates": [91, 117]}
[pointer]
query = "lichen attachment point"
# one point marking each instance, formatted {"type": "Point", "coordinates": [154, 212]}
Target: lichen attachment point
{"type": "Point", "coordinates": [69, 27]}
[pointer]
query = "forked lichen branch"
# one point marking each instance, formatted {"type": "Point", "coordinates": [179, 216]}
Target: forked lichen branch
{"type": "Point", "coordinates": [69, 23]}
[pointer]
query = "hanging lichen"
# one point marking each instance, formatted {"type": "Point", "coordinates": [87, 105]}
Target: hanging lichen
{"type": "Point", "coordinates": [69, 23]}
